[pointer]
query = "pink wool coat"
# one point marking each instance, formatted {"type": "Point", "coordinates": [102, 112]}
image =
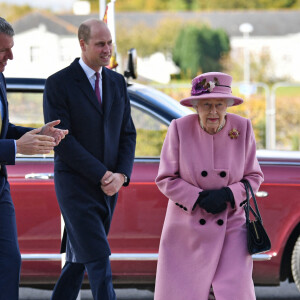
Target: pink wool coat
{"type": "Point", "coordinates": [199, 249]}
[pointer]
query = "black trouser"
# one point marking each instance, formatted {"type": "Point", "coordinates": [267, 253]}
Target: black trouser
{"type": "Point", "coordinates": [10, 257]}
{"type": "Point", "coordinates": [70, 280]}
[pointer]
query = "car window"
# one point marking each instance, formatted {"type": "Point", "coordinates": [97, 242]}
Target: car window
{"type": "Point", "coordinates": [151, 133]}
{"type": "Point", "coordinates": [26, 109]}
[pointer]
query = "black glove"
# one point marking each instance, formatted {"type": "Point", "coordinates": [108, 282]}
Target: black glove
{"type": "Point", "coordinates": [215, 201]}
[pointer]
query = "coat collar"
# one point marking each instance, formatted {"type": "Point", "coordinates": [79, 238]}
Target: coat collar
{"type": "Point", "coordinates": [108, 90]}
{"type": "Point", "coordinates": [2, 89]}
{"type": "Point", "coordinates": [3, 100]}
{"type": "Point", "coordinates": [108, 87]}
{"type": "Point", "coordinates": [84, 85]}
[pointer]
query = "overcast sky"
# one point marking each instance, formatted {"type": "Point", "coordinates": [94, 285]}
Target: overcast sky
{"type": "Point", "coordinates": [56, 5]}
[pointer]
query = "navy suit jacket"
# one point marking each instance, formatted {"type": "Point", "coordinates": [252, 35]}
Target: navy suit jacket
{"type": "Point", "coordinates": [8, 134]}
{"type": "Point", "coordinates": [99, 139]}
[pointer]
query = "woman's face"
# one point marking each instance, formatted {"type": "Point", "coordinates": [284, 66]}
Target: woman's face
{"type": "Point", "coordinates": [212, 113]}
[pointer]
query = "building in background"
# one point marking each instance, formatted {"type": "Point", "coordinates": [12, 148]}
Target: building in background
{"type": "Point", "coordinates": [45, 43]}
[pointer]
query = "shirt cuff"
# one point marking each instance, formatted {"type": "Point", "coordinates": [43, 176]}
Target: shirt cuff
{"type": "Point", "coordinates": [15, 147]}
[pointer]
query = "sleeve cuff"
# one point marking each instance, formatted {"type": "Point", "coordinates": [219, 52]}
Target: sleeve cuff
{"type": "Point", "coordinates": [15, 147]}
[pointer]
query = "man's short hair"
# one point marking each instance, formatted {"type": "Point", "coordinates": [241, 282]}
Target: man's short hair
{"type": "Point", "coordinates": [84, 32]}
{"type": "Point", "coordinates": [6, 28]}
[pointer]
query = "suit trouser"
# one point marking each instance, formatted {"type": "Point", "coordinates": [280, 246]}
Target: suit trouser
{"type": "Point", "coordinates": [10, 257]}
{"type": "Point", "coordinates": [70, 280]}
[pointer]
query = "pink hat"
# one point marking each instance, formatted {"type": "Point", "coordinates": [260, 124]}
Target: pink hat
{"type": "Point", "coordinates": [211, 85]}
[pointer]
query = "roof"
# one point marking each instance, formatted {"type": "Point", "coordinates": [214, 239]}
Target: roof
{"type": "Point", "coordinates": [265, 23]}
{"type": "Point", "coordinates": [52, 22]}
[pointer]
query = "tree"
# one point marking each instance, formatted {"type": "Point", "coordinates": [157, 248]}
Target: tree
{"type": "Point", "coordinates": [175, 5]}
{"type": "Point", "coordinates": [13, 12]}
{"type": "Point", "coordinates": [94, 5]}
{"type": "Point", "coordinates": [147, 40]}
{"type": "Point", "coordinates": [200, 49]}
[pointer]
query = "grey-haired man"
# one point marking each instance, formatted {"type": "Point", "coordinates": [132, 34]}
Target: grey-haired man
{"type": "Point", "coordinates": [13, 140]}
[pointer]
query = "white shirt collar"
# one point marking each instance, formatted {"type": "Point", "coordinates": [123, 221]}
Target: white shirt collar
{"type": "Point", "coordinates": [89, 71]}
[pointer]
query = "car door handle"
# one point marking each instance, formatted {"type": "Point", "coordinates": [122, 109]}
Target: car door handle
{"type": "Point", "coordinates": [262, 194]}
{"type": "Point", "coordinates": [39, 176]}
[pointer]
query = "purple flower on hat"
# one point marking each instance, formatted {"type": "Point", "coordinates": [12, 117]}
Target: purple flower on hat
{"type": "Point", "coordinates": [200, 86]}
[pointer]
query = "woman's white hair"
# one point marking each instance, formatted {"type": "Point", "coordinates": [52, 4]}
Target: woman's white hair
{"type": "Point", "coordinates": [228, 101]}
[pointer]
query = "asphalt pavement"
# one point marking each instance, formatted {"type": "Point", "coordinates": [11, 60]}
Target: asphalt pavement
{"type": "Point", "coordinates": [285, 291]}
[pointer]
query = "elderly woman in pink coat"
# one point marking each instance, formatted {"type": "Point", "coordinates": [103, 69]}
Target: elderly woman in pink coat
{"type": "Point", "coordinates": [203, 160]}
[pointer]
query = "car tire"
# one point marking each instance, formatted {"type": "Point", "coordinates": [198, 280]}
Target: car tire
{"type": "Point", "coordinates": [295, 263]}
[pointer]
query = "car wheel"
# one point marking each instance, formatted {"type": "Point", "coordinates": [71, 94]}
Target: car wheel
{"type": "Point", "coordinates": [295, 262]}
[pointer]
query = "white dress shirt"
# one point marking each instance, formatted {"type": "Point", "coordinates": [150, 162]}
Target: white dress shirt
{"type": "Point", "coordinates": [90, 73]}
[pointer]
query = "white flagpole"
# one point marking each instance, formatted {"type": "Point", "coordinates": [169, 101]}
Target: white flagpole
{"type": "Point", "coordinates": [102, 8]}
{"type": "Point", "coordinates": [111, 25]}
{"type": "Point", "coordinates": [112, 21]}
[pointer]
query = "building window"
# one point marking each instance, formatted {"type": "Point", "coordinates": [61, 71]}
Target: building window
{"type": "Point", "coordinates": [34, 53]}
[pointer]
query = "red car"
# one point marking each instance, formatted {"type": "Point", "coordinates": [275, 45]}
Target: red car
{"type": "Point", "coordinates": [139, 216]}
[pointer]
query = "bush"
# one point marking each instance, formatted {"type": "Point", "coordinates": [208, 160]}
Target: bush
{"type": "Point", "coordinates": [200, 49]}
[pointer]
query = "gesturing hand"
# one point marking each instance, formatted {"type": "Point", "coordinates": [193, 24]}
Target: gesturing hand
{"type": "Point", "coordinates": [33, 143]}
{"type": "Point", "coordinates": [49, 130]}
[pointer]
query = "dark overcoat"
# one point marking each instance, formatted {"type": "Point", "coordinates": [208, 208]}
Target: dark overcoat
{"type": "Point", "coordinates": [10, 258]}
{"type": "Point", "coordinates": [8, 134]}
{"type": "Point", "coordinates": [99, 139]}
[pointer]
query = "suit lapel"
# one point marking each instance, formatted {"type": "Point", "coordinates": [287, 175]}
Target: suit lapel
{"type": "Point", "coordinates": [84, 85]}
{"type": "Point", "coordinates": [4, 106]}
{"type": "Point", "coordinates": [108, 91]}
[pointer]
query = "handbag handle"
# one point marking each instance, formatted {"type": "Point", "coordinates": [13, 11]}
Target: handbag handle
{"type": "Point", "coordinates": [248, 207]}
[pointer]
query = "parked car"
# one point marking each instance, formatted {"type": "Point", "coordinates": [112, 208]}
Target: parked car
{"type": "Point", "coordinates": [140, 211]}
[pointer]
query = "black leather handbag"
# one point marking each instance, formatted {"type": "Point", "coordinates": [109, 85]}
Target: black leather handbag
{"type": "Point", "coordinates": [257, 238]}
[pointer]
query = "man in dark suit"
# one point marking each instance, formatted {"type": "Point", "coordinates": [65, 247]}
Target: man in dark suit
{"type": "Point", "coordinates": [94, 160]}
{"type": "Point", "coordinates": [13, 140]}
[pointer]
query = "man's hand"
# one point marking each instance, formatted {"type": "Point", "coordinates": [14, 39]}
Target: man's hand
{"type": "Point", "coordinates": [105, 177]}
{"type": "Point", "coordinates": [111, 183]}
{"type": "Point", "coordinates": [49, 130]}
{"type": "Point", "coordinates": [34, 143]}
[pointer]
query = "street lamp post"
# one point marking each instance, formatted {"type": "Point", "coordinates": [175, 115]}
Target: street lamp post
{"type": "Point", "coordinates": [246, 28]}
